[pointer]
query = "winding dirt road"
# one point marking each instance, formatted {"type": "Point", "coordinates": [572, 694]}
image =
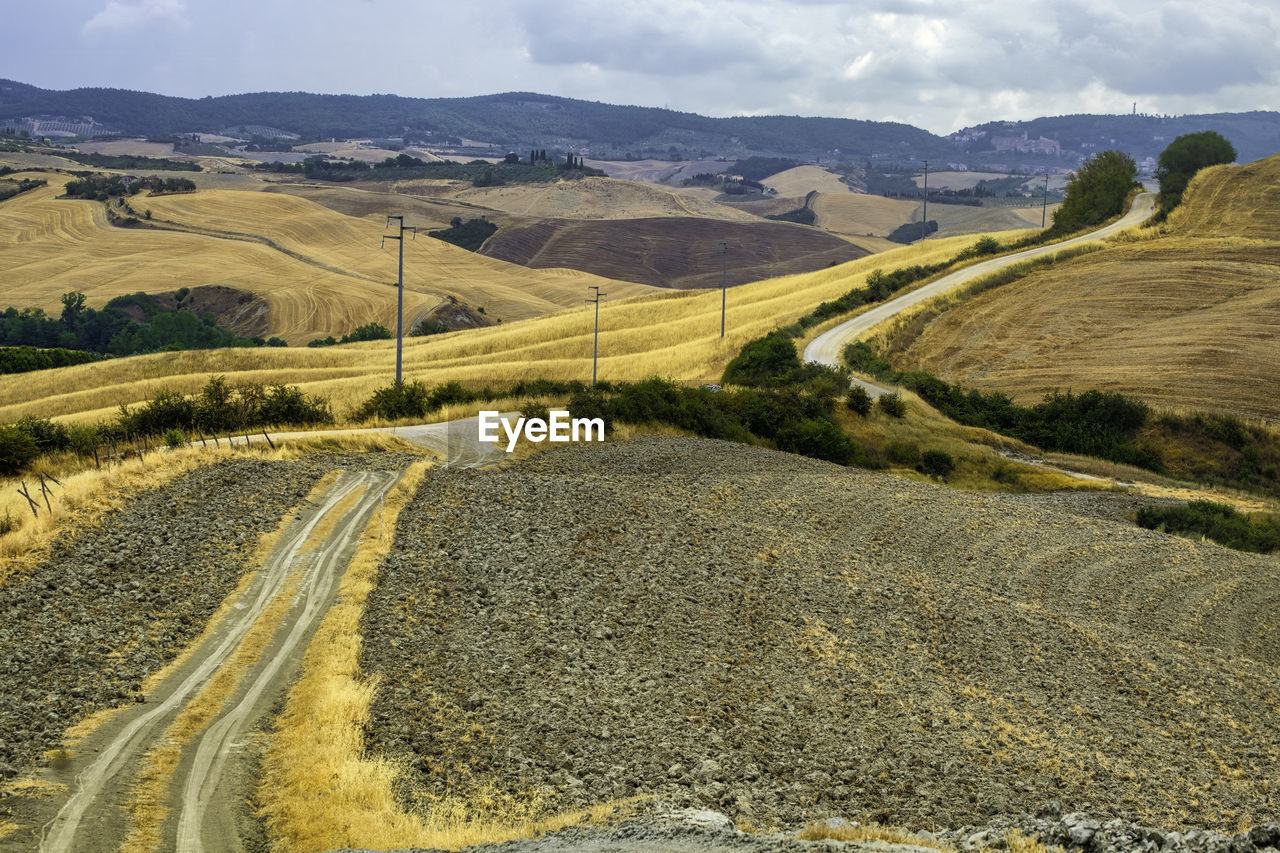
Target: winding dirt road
{"type": "Point", "coordinates": [253, 652]}
{"type": "Point", "coordinates": [827, 347]}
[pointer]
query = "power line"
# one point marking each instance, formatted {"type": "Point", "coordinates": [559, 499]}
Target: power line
{"type": "Point", "coordinates": [595, 345]}
{"type": "Point", "coordinates": [724, 274]}
{"type": "Point", "coordinates": [399, 290]}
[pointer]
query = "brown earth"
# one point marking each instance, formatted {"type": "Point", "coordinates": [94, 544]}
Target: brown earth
{"type": "Point", "coordinates": [786, 640]}
{"type": "Point", "coordinates": [672, 251]}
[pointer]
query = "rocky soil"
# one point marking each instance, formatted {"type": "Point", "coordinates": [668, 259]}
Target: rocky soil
{"type": "Point", "coordinates": [784, 641]}
{"type": "Point", "coordinates": [116, 602]}
{"type": "Point", "coordinates": [700, 831]}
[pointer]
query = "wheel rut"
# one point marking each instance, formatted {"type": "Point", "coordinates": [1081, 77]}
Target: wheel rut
{"type": "Point", "coordinates": [254, 650]}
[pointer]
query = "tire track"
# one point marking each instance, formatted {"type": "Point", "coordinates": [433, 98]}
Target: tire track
{"type": "Point", "coordinates": [90, 817]}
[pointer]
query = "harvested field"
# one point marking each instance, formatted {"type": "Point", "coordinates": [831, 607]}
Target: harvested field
{"type": "Point", "coordinates": [671, 333]}
{"type": "Point", "coordinates": [1184, 320]}
{"type": "Point", "coordinates": [130, 594]}
{"type": "Point", "coordinates": [599, 198]}
{"type": "Point", "coordinates": [672, 252]}
{"type": "Point", "coordinates": [803, 180]}
{"type": "Point", "coordinates": [320, 272]}
{"type": "Point", "coordinates": [784, 640]}
{"type": "Point", "coordinates": [658, 171]}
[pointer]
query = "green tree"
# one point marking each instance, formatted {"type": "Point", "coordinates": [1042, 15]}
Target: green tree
{"type": "Point", "coordinates": [1096, 192]}
{"type": "Point", "coordinates": [1185, 156]}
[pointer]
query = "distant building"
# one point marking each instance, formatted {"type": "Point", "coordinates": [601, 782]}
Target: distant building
{"type": "Point", "coordinates": [1024, 145]}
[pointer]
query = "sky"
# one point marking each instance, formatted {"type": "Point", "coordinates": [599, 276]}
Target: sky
{"type": "Point", "coordinates": [935, 64]}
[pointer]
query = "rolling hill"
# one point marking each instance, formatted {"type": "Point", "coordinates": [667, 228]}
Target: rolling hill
{"type": "Point", "coordinates": [320, 272]}
{"type": "Point", "coordinates": [680, 252]}
{"type": "Point", "coordinates": [1187, 316]}
{"type": "Point", "coordinates": [673, 334]}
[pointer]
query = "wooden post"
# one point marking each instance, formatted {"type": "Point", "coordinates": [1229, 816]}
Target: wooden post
{"type": "Point", "coordinates": [35, 511]}
{"type": "Point", "coordinates": [268, 438]}
{"type": "Point", "coordinates": [44, 493]}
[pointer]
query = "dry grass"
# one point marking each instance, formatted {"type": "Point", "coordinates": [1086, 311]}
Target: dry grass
{"type": "Point", "coordinates": [802, 180]}
{"type": "Point", "coordinates": [867, 832]}
{"type": "Point", "coordinates": [600, 198]}
{"type": "Point", "coordinates": [674, 335]}
{"type": "Point", "coordinates": [319, 791]}
{"type": "Point", "coordinates": [148, 802]}
{"type": "Point", "coordinates": [1183, 317]}
{"type": "Point", "coordinates": [326, 273]}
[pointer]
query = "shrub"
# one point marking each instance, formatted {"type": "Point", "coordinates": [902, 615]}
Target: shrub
{"type": "Point", "coordinates": [1219, 522]}
{"type": "Point", "coordinates": [47, 435]}
{"type": "Point", "coordinates": [892, 405]}
{"type": "Point", "coordinates": [175, 438]}
{"type": "Point", "coordinates": [17, 450]}
{"type": "Point", "coordinates": [902, 452]}
{"type": "Point", "coordinates": [770, 360]}
{"type": "Point", "coordinates": [8, 524]}
{"type": "Point", "coordinates": [858, 400]}
{"type": "Point", "coordinates": [397, 400]}
{"type": "Point", "coordinates": [937, 463]}
{"type": "Point", "coordinates": [428, 327]}
{"type": "Point", "coordinates": [820, 439]}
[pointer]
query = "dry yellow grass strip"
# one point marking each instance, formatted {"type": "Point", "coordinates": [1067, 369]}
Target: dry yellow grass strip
{"type": "Point", "coordinates": [868, 832]}
{"type": "Point", "coordinates": [319, 791]}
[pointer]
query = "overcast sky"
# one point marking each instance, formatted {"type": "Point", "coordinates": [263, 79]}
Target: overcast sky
{"type": "Point", "coordinates": [938, 65]}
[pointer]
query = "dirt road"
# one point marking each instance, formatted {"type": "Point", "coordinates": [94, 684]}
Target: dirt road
{"type": "Point", "coordinates": [252, 653]}
{"type": "Point", "coordinates": [827, 347]}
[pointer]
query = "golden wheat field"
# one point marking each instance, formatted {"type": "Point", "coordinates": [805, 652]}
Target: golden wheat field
{"type": "Point", "coordinates": [803, 180]}
{"type": "Point", "coordinates": [1187, 317]}
{"type": "Point", "coordinates": [321, 272]}
{"type": "Point", "coordinates": [669, 334]}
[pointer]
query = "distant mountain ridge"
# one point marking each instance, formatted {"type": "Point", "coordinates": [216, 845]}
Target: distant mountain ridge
{"type": "Point", "coordinates": [517, 120]}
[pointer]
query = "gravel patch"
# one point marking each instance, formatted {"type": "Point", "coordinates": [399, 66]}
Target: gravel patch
{"type": "Point", "coordinates": [782, 640]}
{"type": "Point", "coordinates": [114, 603]}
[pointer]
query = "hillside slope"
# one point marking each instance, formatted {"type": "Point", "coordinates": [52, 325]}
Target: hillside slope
{"type": "Point", "coordinates": [1186, 317]}
{"type": "Point", "coordinates": [320, 272]}
{"type": "Point", "coordinates": [679, 252]}
{"type": "Point", "coordinates": [672, 334]}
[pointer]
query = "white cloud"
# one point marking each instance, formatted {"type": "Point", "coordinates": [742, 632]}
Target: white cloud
{"type": "Point", "coordinates": [119, 15]}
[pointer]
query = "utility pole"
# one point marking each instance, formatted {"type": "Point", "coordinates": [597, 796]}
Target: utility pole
{"type": "Point", "coordinates": [1044, 209]}
{"type": "Point", "coordinates": [399, 235]}
{"type": "Point", "coordinates": [595, 345]}
{"type": "Point", "coordinates": [924, 221]}
{"type": "Point", "coordinates": [724, 274]}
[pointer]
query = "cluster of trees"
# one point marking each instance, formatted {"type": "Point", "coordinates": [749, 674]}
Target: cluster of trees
{"type": "Point", "coordinates": [403, 167]}
{"type": "Point", "coordinates": [367, 332]}
{"type": "Point", "coordinates": [909, 232]}
{"type": "Point", "coordinates": [1185, 156]}
{"type": "Point", "coordinates": [26, 359]}
{"type": "Point", "coordinates": [112, 330]}
{"type": "Point", "coordinates": [104, 187]}
{"type": "Point", "coordinates": [129, 163]}
{"type": "Point", "coordinates": [9, 189]}
{"type": "Point", "coordinates": [470, 235]}
{"type": "Point", "coordinates": [1096, 192]}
